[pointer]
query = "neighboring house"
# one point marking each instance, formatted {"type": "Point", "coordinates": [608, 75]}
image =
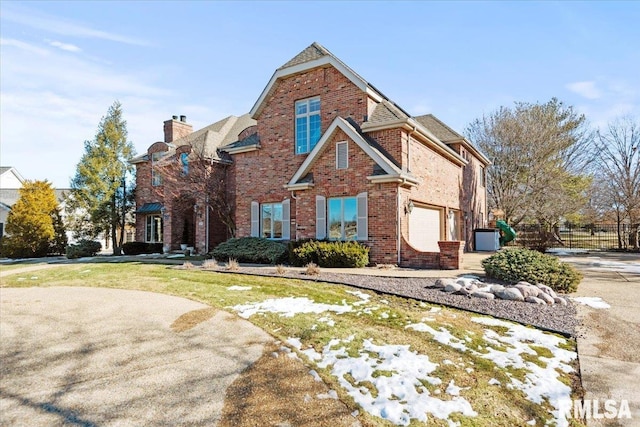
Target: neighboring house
{"type": "Point", "coordinates": [10, 183]}
{"type": "Point", "coordinates": [331, 157]}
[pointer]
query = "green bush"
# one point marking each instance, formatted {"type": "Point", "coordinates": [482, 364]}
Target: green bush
{"type": "Point", "coordinates": [84, 248]}
{"type": "Point", "coordinates": [137, 248]}
{"type": "Point", "coordinates": [332, 254]}
{"type": "Point", "coordinates": [252, 250]}
{"type": "Point", "coordinates": [299, 259]}
{"type": "Point", "coordinates": [514, 265]}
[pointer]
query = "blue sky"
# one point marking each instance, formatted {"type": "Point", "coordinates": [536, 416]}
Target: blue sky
{"type": "Point", "coordinates": [62, 64]}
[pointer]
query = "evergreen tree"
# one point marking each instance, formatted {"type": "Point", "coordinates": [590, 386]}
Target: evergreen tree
{"type": "Point", "coordinates": [99, 187]}
{"type": "Point", "coordinates": [34, 227]}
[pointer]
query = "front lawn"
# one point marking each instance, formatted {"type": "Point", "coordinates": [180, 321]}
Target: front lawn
{"type": "Point", "coordinates": [397, 361]}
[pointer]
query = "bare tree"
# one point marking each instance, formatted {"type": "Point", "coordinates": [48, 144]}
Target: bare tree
{"type": "Point", "coordinates": [198, 172]}
{"type": "Point", "coordinates": [540, 155]}
{"type": "Point", "coordinates": [619, 170]}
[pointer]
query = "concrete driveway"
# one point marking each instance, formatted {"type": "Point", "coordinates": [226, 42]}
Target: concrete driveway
{"type": "Point", "coordinates": [105, 357]}
{"type": "Point", "coordinates": [609, 339]}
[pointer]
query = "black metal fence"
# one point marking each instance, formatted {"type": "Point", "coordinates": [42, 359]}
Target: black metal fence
{"type": "Point", "coordinates": [579, 236]}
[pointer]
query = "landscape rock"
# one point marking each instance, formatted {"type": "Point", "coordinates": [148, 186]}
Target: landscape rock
{"type": "Point", "coordinates": [511, 294]}
{"type": "Point", "coordinates": [523, 282]}
{"type": "Point", "coordinates": [535, 300]}
{"type": "Point", "coordinates": [441, 283]}
{"type": "Point", "coordinates": [547, 290]}
{"type": "Point", "coordinates": [463, 291]}
{"type": "Point", "coordinates": [546, 298]}
{"type": "Point", "coordinates": [496, 288]}
{"type": "Point", "coordinates": [483, 295]}
{"type": "Point", "coordinates": [527, 289]}
{"type": "Point", "coordinates": [452, 287]}
{"type": "Point", "coordinates": [560, 301]}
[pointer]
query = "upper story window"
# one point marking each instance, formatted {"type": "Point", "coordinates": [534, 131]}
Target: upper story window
{"type": "Point", "coordinates": [156, 178]}
{"type": "Point", "coordinates": [307, 124]}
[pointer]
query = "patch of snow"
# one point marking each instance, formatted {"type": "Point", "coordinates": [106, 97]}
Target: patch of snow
{"type": "Point", "coordinates": [443, 336]}
{"type": "Point", "coordinates": [384, 315]}
{"type": "Point", "coordinates": [593, 302]}
{"type": "Point", "coordinates": [494, 381]}
{"type": "Point", "coordinates": [531, 422]}
{"type": "Point", "coordinates": [434, 309]}
{"type": "Point", "coordinates": [175, 256]}
{"type": "Point", "coordinates": [364, 297]}
{"type": "Point", "coordinates": [34, 277]}
{"type": "Point", "coordinates": [401, 396]}
{"type": "Point", "coordinates": [84, 271]}
{"type": "Point", "coordinates": [331, 394]}
{"type": "Point", "coordinates": [239, 288]}
{"type": "Point", "coordinates": [326, 319]}
{"type": "Point", "coordinates": [541, 382]}
{"type": "Point", "coordinates": [288, 307]}
{"type": "Point", "coordinates": [453, 389]}
{"type": "Point", "coordinates": [315, 375]}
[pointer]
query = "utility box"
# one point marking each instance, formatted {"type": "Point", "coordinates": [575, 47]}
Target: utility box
{"type": "Point", "coordinates": [486, 239]}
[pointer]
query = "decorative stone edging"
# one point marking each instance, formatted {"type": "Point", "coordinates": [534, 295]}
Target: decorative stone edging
{"type": "Point", "coordinates": [521, 291]}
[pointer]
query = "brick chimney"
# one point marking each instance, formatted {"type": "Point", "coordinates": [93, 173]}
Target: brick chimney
{"type": "Point", "coordinates": [176, 128]}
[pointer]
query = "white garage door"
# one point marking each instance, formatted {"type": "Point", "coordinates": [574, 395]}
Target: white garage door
{"type": "Point", "coordinates": [424, 229]}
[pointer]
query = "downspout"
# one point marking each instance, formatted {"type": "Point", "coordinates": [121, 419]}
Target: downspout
{"type": "Point", "coordinates": [206, 219]}
{"type": "Point", "coordinates": [293, 196]}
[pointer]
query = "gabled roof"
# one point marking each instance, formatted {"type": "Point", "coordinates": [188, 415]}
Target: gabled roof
{"type": "Point", "coordinates": [448, 135]}
{"type": "Point", "coordinates": [438, 128]}
{"type": "Point", "coordinates": [208, 140]}
{"type": "Point", "coordinates": [11, 169]}
{"type": "Point", "coordinates": [314, 56]}
{"type": "Point", "coordinates": [250, 143]}
{"type": "Point", "coordinates": [387, 112]}
{"type": "Point", "coordinates": [389, 171]}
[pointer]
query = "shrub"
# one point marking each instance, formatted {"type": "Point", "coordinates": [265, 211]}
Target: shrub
{"type": "Point", "coordinates": [137, 248]}
{"type": "Point", "coordinates": [252, 250]}
{"type": "Point", "coordinates": [514, 265]}
{"type": "Point", "coordinates": [332, 254]}
{"type": "Point", "coordinates": [312, 269]}
{"type": "Point", "coordinates": [84, 248]}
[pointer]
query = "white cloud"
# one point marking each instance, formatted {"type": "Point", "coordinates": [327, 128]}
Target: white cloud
{"type": "Point", "coordinates": [585, 89]}
{"type": "Point", "coordinates": [23, 46]}
{"type": "Point", "coordinates": [35, 19]}
{"type": "Point", "coordinates": [64, 46]}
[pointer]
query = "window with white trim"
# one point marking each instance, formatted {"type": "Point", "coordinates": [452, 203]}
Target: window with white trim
{"type": "Point", "coordinates": [342, 155]}
{"type": "Point", "coordinates": [154, 228]}
{"type": "Point", "coordinates": [271, 220]}
{"type": "Point", "coordinates": [343, 218]}
{"type": "Point", "coordinates": [308, 124]}
{"type": "Point", "coordinates": [156, 178]}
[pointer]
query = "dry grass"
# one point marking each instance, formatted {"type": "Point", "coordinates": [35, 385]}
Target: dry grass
{"type": "Point", "coordinates": [312, 269]}
{"type": "Point", "coordinates": [281, 270]}
{"type": "Point", "coordinates": [233, 265]}
{"type": "Point", "coordinates": [188, 265]}
{"type": "Point", "coordinates": [279, 391]}
{"type": "Point", "coordinates": [192, 319]}
{"type": "Point", "coordinates": [386, 266]}
{"type": "Point", "coordinates": [210, 264]}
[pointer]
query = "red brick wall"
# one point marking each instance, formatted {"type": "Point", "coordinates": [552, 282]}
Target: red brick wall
{"type": "Point", "coordinates": [261, 175]}
{"type": "Point", "coordinates": [175, 129]}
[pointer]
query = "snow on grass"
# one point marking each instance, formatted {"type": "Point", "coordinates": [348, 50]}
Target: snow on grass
{"type": "Point", "coordinates": [593, 302]}
{"type": "Point", "coordinates": [239, 288]}
{"type": "Point", "coordinates": [442, 335]}
{"type": "Point", "coordinates": [397, 374]}
{"type": "Point", "coordinates": [541, 383]}
{"type": "Point", "coordinates": [288, 307]}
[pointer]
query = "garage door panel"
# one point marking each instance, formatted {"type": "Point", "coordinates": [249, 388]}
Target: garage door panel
{"type": "Point", "coordinates": [424, 229]}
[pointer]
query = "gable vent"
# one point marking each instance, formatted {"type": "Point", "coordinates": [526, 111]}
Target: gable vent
{"type": "Point", "coordinates": [342, 155]}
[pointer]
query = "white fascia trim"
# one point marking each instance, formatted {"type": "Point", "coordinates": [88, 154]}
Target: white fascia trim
{"type": "Point", "coordinates": [295, 69]}
{"type": "Point", "coordinates": [241, 149]}
{"type": "Point", "coordinates": [400, 179]}
{"type": "Point", "coordinates": [372, 127]}
{"type": "Point", "coordinates": [339, 122]}
{"type": "Point", "coordinates": [301, 186]}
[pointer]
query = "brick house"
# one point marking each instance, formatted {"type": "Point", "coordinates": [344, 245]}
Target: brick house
{"type": "Point", "coordinates": [330, 157]}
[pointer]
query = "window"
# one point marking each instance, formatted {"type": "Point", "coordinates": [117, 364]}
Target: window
{"type": "Point", "coordinates": [154, 229]}
{"type": "Point", "coordinates": [271, 220]}
{"type": "Point", "coordinates": [307, 125]}
{"type": "Point", "coordinates": [343, 218]}
{"type": "Point", "coordinates": [156, 178]}
{"type": "Point", "coordinates": [483, 177]}
{"type": "Point", "coordinates": [342, 155]}
{"type": "Point", "coordinates": [184, 159]}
